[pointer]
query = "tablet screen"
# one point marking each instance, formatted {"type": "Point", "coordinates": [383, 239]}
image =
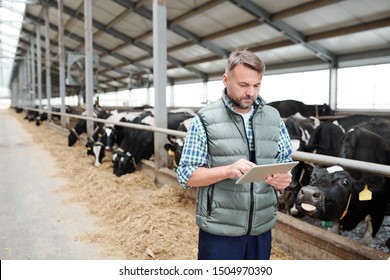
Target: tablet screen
{"type": "Point", "coordinates": [260, 172]}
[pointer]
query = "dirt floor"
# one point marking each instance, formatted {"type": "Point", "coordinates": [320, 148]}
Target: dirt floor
{"type": "Point", "coordinates": [138, 220]}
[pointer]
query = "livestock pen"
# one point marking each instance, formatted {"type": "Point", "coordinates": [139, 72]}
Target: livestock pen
{"type": "Point", "coordinates": [300, 239]}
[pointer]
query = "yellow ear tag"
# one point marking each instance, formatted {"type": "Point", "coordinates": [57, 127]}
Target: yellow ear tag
{"type": "Point", "coordinates": [171, 153]}
{"type": "Point", "coordinates": [100, 135]}
{"type": "Point", "coordinates": [365, 194]}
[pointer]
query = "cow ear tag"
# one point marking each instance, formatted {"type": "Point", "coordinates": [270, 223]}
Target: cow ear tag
{"type": "Point", "coordinates": [327, 224]}
{"type": "Point", "coordinates": [365, 194]}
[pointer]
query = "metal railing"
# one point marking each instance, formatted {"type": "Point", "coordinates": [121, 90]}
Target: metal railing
{"type": "Point", "coordinates": [374, 168]}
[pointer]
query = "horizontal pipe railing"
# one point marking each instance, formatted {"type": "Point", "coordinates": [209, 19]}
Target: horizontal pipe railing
{"type": "Point", "coordinates": [374, 168]}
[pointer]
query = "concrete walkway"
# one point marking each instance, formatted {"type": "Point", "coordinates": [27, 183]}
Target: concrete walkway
{"type": "Point", "coordinates": [35, 222]}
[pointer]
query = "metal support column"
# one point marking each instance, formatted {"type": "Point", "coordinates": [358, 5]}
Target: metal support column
{"type": "Point", "coordinates": [172, 93]}
{"type": "Point", "coordinates": [23, 82]}
{"type": "Point", "coordinates": [33, 76]}
{"type": "Point", "coordinates": [160, 79]}
{"type": "Point", "coordinates": [61, 54]}
{"type": "Point", "coordinates": [205, 91]}
{"type": "Point", "coordinates": [48, 62]}
{"type": "Point", "coordinates": [88, 63]}
{"type": "Point", "coordinates": [39, 65]}
{"type": "Point", "coordinates": [28, 79]}
{"type": "Point", "coordinates": [333, 87]}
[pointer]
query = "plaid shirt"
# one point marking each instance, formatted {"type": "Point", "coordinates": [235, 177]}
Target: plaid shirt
{"type": "Point", "coordinates": [195, 154]}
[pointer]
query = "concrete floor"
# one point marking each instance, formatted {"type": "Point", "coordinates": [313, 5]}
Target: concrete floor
{"type": "Point", "coordinates": [35, 221]}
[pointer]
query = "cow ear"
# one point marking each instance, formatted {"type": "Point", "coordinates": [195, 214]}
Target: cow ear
{"type": "Point", "coordinates": [171, 139]}
{"type": "Point", "coordinates": [168, 147]}
{"type": "Point", "coordinates": [373, 180]}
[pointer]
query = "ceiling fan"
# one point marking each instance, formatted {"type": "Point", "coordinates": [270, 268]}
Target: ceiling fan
{"type": "Point", "coordinates": [139, 78]}
{"type": "Point", "coordinates": [76, 69]}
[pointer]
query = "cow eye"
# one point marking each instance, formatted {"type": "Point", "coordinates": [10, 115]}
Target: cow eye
{"type": "Point", "coordinates": [345, 182]}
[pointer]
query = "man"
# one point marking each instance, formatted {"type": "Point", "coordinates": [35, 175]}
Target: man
{"type": "Point", "coordinates": [223, 142]}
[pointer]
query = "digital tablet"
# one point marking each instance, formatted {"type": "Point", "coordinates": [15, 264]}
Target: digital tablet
{"type": "Point", "coordinates": [260, 172]}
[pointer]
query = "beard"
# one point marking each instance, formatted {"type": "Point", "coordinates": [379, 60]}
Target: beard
{"type": "Point", "coordinates": [238, 102]}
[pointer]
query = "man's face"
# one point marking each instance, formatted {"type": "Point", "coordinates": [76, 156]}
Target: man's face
{"type": "Point", "coordinates": [243, 86]}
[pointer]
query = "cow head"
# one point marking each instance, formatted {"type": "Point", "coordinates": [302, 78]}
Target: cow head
{"type": "Point", "coordinates": [111, 138]}
{"type": "Point", "coordinates": [123, 162]}
{"type": "Point", "coordinates": [175, 147]}
{"type": "Point", "coordinates": [327, 195]}
{"type": "Point", "coordinates": [287, 198]}
{"type": "Point", "coordinates": [136, 144]}
{"type": "Point", "coordinates": [332, 192]}
{"type": "Point", "coordinates": [40, 118]}
{"type": "Point", "coordinates": [325, 110]}
{"type": "Point", "coordinates": [72, 137]}
{"type": "Point", "coordinates": [74, 133]}
{"type": "Point", "coordinates": [96, 145]}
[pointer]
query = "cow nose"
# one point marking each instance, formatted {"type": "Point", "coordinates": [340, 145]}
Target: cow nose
{"type": "Point", "coordinates": [310, 192]}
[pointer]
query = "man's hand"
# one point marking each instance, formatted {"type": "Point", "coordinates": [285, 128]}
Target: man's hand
{"type": "Point", "coordinates": [279, 181]}
{"type": "Point", "coordinates": [238, 168]}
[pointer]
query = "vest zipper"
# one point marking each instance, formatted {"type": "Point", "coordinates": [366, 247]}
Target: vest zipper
{"type": "Point", "coordinates": [252, 158]}
{"type": "Point", "coordinates": [251, 210]}
{"type": "Point", "coordinates": [210, 194]}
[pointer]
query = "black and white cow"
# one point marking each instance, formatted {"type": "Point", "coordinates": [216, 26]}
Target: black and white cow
{"type": "Point", "coordinates": [114, 132]}
{"type": "Point", "coordinates": [44, 117]}
{"type": "Point", "coordinates": [348, 122]}
{"type": "Point", "coordinates": [96, 144]}
{"type": "Point", "coordinates": [31, 115]}
{"type": "Point", "coordinates": [136, 145]}
{"type": "Point", "coordinates": [107, 135]}
{"type": "Point", "coordinates": [367, 142]}
{"type": "Point", "coordinates": [287, 108]}
{"type": "Point", "coordinates": [299, 129]}
{"type": "Point", "coordinates": [76, 131]}
{"type": "Point", "coordinates": [334, 196]}
{"type": "Point", "coordinates": [326, 139]}
{"type": "Point", "coordinates": [175, 145]}
{"type": "Point", "coordinates": [81, 126]}
{"type": "Point", "coordinates": [139, 144]}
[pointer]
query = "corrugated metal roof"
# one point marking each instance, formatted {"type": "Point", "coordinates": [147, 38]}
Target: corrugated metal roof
{"type": "Point", "coordinates": [201, 34]}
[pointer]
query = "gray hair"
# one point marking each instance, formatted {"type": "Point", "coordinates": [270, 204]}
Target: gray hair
{"type": "Point", "coordinates": [247, 58]}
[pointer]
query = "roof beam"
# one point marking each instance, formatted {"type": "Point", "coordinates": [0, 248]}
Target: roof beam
{"type": "Point", "coordinates": [108, 29]}
{"type": "Point", "coordinates": [81, 39]}
{"type": "Point", "coordinates": [305, 7]}
{"type": "Point", "coordinates": [350, 29]}
{"type": "Point", "coordinates": [175, 28]}
{"type": "Point", "coordinates": [283, 28]}
{"type": "Point", "coordinates": [55, 43]}
{"type": "Point", "coordinates": [80, 16]}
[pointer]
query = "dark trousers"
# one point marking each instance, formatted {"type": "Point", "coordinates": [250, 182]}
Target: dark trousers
{"type": "Point", "coordinates": [247, 247]}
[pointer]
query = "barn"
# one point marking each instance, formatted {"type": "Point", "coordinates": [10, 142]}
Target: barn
{"type": "Point", "coordinates": [129, 74]}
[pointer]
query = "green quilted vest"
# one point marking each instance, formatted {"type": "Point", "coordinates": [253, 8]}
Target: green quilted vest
{"type": "Point", "coordinates": [225, 208]}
